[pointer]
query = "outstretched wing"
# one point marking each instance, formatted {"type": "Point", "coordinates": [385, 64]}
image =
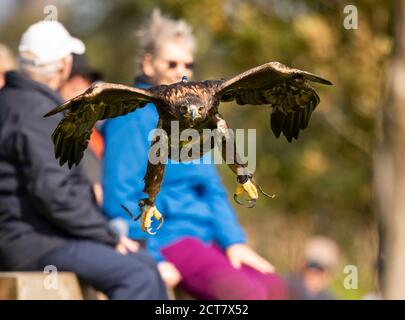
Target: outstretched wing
{"type": "Point", "coordinates": [285, 89]}
{"type": "Point", "coordinates": [100, 101]}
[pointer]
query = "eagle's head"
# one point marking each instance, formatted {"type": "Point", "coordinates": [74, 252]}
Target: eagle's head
{"type": "Point", "coordinates": [191, 110]}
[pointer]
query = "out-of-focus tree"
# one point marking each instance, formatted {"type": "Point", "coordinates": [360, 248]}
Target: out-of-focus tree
{"type": "Point", "coordinates": [389, 179]}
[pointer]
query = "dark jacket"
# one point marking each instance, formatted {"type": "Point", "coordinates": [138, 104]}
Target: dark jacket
{"type": "Point", "coordinates": [41, 203]}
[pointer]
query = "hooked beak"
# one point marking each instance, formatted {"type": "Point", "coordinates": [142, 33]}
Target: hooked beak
{"type": "Point", "coordinates": [193, 112]}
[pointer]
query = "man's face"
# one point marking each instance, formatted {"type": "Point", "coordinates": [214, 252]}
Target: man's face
{"type": "Point", "coordinates": [74, 86]}
{"type": "Point", "coordinates": [317, 280]}
{"type": "Point", "coordinates": [173, 61]}
{"type": "Point", "coordinates": [2, 79]}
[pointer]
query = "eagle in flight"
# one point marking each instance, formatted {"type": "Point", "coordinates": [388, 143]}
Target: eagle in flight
{"type": "Point", "coordinates": [285, 90]}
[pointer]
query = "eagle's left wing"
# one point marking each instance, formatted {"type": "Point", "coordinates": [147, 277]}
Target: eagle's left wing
{"type": "Point", "coordinates": [285, 89]}
{"type": "Point", "coordinates": [100, 101]}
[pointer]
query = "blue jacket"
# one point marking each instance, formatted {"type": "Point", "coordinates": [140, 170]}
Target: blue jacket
{"type": "Point", "coordinates": [192, 199]}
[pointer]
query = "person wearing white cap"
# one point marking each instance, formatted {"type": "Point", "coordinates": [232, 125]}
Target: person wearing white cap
{"type": "Point", "coordinates": [48, 213]}
{"type": "Point", "coordinates": [45, 53]}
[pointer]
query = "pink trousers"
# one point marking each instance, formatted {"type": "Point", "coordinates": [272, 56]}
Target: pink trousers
{"type": "Point", "coordinates": [207, 274]}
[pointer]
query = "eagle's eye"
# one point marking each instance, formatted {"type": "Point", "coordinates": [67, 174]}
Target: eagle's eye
{"type": "Point", "coordinates": [183, 109]}
{"type": "Point", "coordinates": [200, 109]}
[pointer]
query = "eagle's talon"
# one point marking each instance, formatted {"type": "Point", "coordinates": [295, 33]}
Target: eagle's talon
{"type": "Point", "coordinates": [149, 231]}
{"type": "Point", "coordinates": [161, 220]}
{"type": "Point", "coordinates": [250, 190]}
{"type": "Point", "coordinates": [247, 203]}
{"type": "Point", "coordinates": [149, 212]}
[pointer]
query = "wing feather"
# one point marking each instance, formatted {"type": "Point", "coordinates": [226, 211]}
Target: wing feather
{"type": "Point", "coordinates": [100, 101]}
{"type": "Point", "coordinates": [285, 89]}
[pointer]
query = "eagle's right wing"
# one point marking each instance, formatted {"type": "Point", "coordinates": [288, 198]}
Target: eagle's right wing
{"type": "Point", "coordinates": [286, 90]}
{"type": "Point", "coordinates": [100, 101]}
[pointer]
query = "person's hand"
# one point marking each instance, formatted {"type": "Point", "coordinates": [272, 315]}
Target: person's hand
{"type": "Point", "coordinates": [127, 245]}
{"type": "Point", "coordinates": [98, 193]}
{"type": "Point", "coordinates": [239, 254]}
{"type": "Point", "coordinates": [169, 273]}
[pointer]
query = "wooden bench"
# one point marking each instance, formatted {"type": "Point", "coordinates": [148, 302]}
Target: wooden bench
{"type": "Point", "coordinates": [35, 286]}
{"type": "Point", "coordinates": [32, 286]}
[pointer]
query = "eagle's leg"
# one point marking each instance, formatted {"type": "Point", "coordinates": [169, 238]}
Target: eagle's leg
{"type": "Point", "coordinates": [157, 158]}
{"type": "Point", "coordinates": [236, 164]}
{"type": "Point", "coordinates": [153, 180]}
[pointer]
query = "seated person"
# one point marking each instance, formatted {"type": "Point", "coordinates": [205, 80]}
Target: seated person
{"type": "Point", "coordinates": [201, 245]}
{"type": "Point", "coordinates": [48, 213]}
{"type": "Point", "coordinates": [315, 270]}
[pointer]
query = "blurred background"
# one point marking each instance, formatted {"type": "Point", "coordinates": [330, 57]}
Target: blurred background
{"type": "Point", "coordinates": [323, 181]}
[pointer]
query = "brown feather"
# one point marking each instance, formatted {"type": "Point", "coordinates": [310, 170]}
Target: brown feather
{"type": "Point", "coordinates": [285, 89]}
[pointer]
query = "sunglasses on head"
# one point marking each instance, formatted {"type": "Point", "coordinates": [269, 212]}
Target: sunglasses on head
{"type": "Point", "coordinates": [174, 64]}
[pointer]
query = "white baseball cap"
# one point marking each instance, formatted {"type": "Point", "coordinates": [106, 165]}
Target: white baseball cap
{"type": "Point", "coordinates": [49, 41]}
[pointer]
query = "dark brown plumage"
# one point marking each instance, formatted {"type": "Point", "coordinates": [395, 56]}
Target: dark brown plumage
{"type": "Point", "coordinates": [193, 104]}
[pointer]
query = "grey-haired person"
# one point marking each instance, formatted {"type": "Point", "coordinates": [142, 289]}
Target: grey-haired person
{"type": "Point", "coordinates": [202, 246]}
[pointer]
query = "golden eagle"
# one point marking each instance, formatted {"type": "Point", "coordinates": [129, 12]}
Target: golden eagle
{"type": "Point", "coordinates": [193, 105]}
